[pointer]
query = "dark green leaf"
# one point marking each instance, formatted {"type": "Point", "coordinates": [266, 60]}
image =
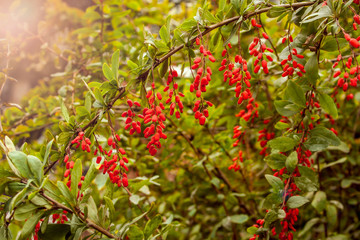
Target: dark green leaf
{"type": "Point", "coordinates": [286, 108]}
{"type": "Point", "coordinates": [152, 225]}
{"type": "Point", "coordinates": [312, 69]}
{"type": "Point", "coordinates": [327, 103]}
{"type": "Point", "coordinates": [291, 162]}
{"type": "Point", "coordinates": [276, 160]}
{"type": "Point", "coordinates": [135, 233]}
{"type": "Point", "coordinates": [296, 94]}
{"type": "Point", "coordinates": [282, 144]}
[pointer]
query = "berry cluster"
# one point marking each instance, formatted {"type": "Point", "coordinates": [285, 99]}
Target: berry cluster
{"type": "Point", "coordinates": [134, 126]}
{"type": "Point", "coordinates": [290, 64]}
{"type": "Point", "coordinates": [177, 106]}
{"type": "Point", "coordinates": [113, 161]}
{"type": "Point", "coordinates": [257, 49]}
{"type": "Point", "coordinates": [154, 115]}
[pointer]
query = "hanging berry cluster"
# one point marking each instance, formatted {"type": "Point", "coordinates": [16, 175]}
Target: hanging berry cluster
{"type": "Point", "coordinates": [134, 126]}
{"type": "Point", "coordinates": [257, 49]}
{"type": "Point", "coordinates": [290, 65]}
{"type": "Point", "coordinates": [201, 81]}
{"type": "Point", "coordinates": [176, 107]}
{"type": "Point", "coordinates": [154, 115]}
{"type": "Point", "coordinates": [112, 161]}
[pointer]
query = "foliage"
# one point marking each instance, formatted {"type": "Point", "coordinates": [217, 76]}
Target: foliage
{"type": "Point", "coordinates": [229, 120]}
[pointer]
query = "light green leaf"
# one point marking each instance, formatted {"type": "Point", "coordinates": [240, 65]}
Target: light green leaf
{"type": "Point", "coordinates": [115, 59]}
{"type": "Point", "coordinates": [19, 159]}
{"type": "Point", "coordinates": [108, 72]}
{"type": "Point", "coordinates": [36, 168]}
{"type": "Point", "coordinates": [275, 182]}
{"type": "Point", "coordinates": [319, 201]}
{"type": "Point", "coordinates": [76, 174]}
{"type": "Point", "coordinates": [65, 112]}
{"type": "Point", "coordinates": [135, 199]}
{"type": "Point", "coordinates": [110, 206]}
{"type": "Point", "coordinates": [239, 219]}
{"type": "Point", "coordinates": [296, 201]}
{"type": "Point", "coordinates": [89, 177]}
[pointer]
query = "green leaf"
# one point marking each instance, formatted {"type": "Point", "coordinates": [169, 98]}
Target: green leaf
{"type": "Point", "coordinates": [270, 217]}
{"type": "Point", "coordinates": [115, 60]}
{"type": "Point", "coordinates": [108, 72]}
{"type": "Point", "coordinates": [328, 104]}
{"type": "Point", "coordinates": [135, 199]}
{"type": "Point", "coordinates": [275, 12]}
{"type": "Point", "coordinates": [308, 226]}
{"type": "Point", "coordinates": [152, 225]}
{"type": "Point", "coordinates": [24, 211]}
{"type": "Point", "coordinates": [76, 174]}
{"type": "Point", "coordinates": [65, 112]}
{"type": "Point", "coordinates": [89, 177]}
{"type": "Point", "coordinates": [312, 69]}
{"type": "Point", "coordinates": [276, 160]}
{"type": "Point", "coordinates": [275, 182]}
{"type": "Point", "coordinates": [321, 138]}
{"type": "Point", "coordinates": [135, 233]}
{"type": "Point", "coordinates": [17, 199]}
{"type": "Point", "coordinates": [282, 144]}
{"type": "Point", "coordinates": [110, 206]}
{"type": "Point", "coordinates": [305, 184]}
{"type": "Point", "coordinates": [281, 125]}
{"type": "Point", "coordinates": [81, 111]}
{"type": "Point", "coordinates": [341, 160]}
{"type": "Point", "coordinates": [252, 230]}
{"type": "Point", "coordinates": [164, 34]}
{"type": "Point", "coordinates": [29, 226]}
{"type": "Point", "coordinates": [132, 65]}
{"type": "Point", "coordinates": [47, 152]}
{"type": "Point", "coordinates": [55, 232]}
{"type": "Point", "coordinates": [296, 201]}
{"type": "Point", "coordinates": [296, 94]}
{"type": "Point", "coordinates": [19, 159]}
{"type": "Point", "coordinates": [164, 68]}
{"type": "Point", "coordinates": [239, 219]}
{"type": "Point", "coordinates": [36, 168]}
{"type": "Point", "coordinates": [319, 201]}
{"type": "Point", "coordinates": [291, 162]}
{"type": "Point", "coordinates": [331, 215]}
{"type": "Point", "coordinates": [286, 108]}
{"type": "Point", "coordinates": [68, 198]}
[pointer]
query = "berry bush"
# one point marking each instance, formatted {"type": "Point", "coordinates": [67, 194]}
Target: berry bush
{"type": "Point", "coordinates": [220, 120]}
